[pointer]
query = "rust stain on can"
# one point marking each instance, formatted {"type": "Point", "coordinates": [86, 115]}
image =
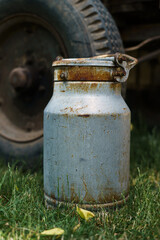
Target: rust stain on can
{"type": "Point", "coordinates": [53, 196]}
{"type": "Point", "coordinates": [50, 202]}
{"type": "Point", "coordinates": [74, 110]}
{"type": "Point", "coordinates": [88, 197]}
{"type": "Point", "coordinates": [77, 73]}
{"type": "Point", "coordinates": [74, 197]}
{"type": "Point", "coordinates": [109, 197]}
{"type": "Point", "coordinates": [115, 115]}
{"type": "Point", "coordinates": [115, 86]}
{"type": "Point", "coordinates": [84, 87]}
{"type": "Point", "coordinates": [84, 115]}
{"type": "Point", "coordinates": [68, 109]}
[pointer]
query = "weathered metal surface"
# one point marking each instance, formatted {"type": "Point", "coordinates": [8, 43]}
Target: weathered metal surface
{"type": "Point", "coordinates": [86, 143]}
{"type": "Point", "coordinates": [83, 74]}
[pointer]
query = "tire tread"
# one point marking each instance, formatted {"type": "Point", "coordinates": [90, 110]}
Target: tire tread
{"type": "Point", "coordinates": [104, 34]}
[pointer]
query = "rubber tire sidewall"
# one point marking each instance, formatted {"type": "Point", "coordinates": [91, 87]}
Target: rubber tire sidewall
{"type": "Point", "coordinates": [61, 15]}
{"type": "Point", "coordinates": [73, 31]}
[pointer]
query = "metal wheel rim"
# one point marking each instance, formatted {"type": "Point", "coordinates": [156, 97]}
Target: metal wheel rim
{"type": "Point", "coordinates": [18, 123]}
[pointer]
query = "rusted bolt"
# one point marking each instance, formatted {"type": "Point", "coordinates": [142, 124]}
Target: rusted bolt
{"type": "Point", "coordinates": [121, 58]}
{"type": "Point", "coordinates": [19, 77]}
{"type": "Point", "coordinates": [119, 72]}
{"type": "Point", "coordinates": [122, 73]}
{"type": "Point", "coordinates": [64, 76]}
{"type": "Point", "coordinates": [58, 58]}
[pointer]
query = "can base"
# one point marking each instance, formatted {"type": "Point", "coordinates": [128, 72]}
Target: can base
{"type": "Point", "coordinates": [52, 203]}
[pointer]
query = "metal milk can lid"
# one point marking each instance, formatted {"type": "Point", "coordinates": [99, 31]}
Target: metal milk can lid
{"type": "Point", "coordinates": [110, 67]}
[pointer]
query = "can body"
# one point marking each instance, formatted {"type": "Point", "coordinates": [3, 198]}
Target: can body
{"type": "Point", "coordinates": [86, 144]}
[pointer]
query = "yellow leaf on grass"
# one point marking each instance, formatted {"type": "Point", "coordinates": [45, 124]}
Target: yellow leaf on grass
{"type": "Point", "coordinates": [76, 227]}
{"type": "Point", "coordinates": [84, 213]}
{"type": "Point", "coordinates": [53, 232]}
{"type": "Point", "coordinates": [131, 127]}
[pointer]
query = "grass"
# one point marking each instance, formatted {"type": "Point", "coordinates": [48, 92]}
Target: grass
{"type": "Point", "coordinates": [23, 214]}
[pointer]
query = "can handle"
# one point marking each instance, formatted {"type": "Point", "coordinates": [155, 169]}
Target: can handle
{"type": "Point", "coordinates": [127, 63]}
{"type": "Point", "coordinates": [124, 61]}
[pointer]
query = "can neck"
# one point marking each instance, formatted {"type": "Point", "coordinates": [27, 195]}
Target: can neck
{"type": "Point", "coordinates": [87, 88]}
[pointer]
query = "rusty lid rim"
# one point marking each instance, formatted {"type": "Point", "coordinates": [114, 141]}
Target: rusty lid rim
{"type": "Point", "coordinates": [101, 60]}
{"type": "Point", "coordinates": [84, 63]}
{"type": "Point", "coordinates": [122, 61]}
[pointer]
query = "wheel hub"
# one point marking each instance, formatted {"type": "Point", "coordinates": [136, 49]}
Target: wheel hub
{"type": "Point", "coordinates": [28, 45]}
{"type": "Point", "coordinates": [20, 78]}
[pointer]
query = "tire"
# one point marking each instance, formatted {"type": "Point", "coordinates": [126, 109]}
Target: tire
{"type": "Point", "coordinates": [82, 28]}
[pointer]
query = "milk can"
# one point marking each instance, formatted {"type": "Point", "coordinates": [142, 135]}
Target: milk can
{"type": "Point", "coordinates": [87, 133]}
